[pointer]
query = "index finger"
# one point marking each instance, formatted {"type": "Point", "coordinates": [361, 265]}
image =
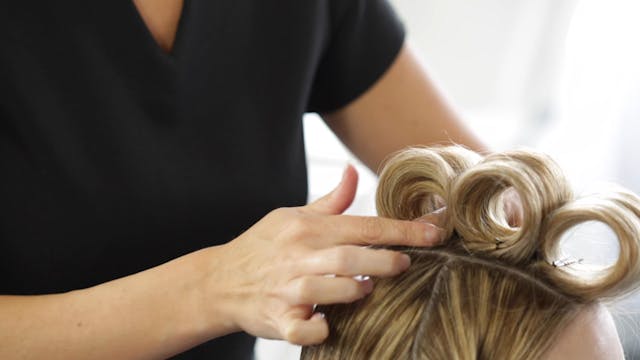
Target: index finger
{"type": "Point", "coordinates": [373, 230]}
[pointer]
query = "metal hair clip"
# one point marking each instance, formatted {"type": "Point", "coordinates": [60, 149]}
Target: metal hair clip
{"type": "Point", "coordinates": [566, 262]}
{"type": "Point", "coordinates": [499, 243]}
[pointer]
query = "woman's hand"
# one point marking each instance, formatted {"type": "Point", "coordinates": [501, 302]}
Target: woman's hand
{"type": "Point", "coordinates": [264, 282]}
{"type": "Point", "coordinates": [270, 277]}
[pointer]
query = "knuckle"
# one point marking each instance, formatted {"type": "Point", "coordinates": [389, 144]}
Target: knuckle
{"type": "Point", "coordinates": [371, 228]}
{"type": "Point", "coordinates": [303, 291]}
{"type": "Point", "coordinates": [299, 227]}
{"type": "Point", "coordinates": [343, 261]}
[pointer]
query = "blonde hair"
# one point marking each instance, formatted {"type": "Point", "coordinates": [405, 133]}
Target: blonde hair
{"type": "Point", "coordinates": [490, 291]}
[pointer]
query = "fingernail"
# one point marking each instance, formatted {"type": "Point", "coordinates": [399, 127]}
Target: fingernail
{"type": "Point", "coordinates": [406, 261]}
{"type": "Point", "coordinates": [367, 286]}
{"type": "Point", "coordinates": [434, 235]}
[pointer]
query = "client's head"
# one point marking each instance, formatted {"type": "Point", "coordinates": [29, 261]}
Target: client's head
{"type": "Point", "coordinates": [492, 290]}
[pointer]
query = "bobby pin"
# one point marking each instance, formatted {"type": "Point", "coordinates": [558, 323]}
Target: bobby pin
{"type": "Point", "coordinates": [566, 262]}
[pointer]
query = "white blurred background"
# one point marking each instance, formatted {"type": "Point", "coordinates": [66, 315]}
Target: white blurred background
{"type": "Point", "coordinates": [561, 76]}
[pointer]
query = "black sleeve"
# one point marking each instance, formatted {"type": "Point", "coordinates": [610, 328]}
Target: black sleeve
{"type": "Point", "coordinates": [366, 36]}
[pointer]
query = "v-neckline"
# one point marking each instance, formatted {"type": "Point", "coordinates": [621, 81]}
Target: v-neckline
{"type": "Point", "coordinates": [144, 28]}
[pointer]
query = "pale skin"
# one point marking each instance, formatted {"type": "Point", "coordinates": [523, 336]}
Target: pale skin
{"type": "Point", "coordinates": [592, 335]}
{"type": "Point", "coordinates": [266, 280]}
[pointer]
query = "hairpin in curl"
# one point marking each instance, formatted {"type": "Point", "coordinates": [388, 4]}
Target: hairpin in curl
{"type": "Point", "coordinates": [566, 262]}
{"type": "Point", "coordinates": [499, 243]}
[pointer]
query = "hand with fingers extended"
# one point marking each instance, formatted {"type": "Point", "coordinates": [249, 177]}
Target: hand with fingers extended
{"type": "Point", "coordinates": [274, 273]}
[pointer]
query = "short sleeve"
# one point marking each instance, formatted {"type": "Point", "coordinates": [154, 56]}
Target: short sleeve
{"type": "Point", "coordinates": [366, 36]}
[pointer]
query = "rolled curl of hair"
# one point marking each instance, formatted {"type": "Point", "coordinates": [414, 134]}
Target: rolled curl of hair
{"type": "Point", "coordinates": [476, 203]}
{"type": "Point", "coordinates": [620, 210]}
{"type": "Point", "coordinates": [417, 181]}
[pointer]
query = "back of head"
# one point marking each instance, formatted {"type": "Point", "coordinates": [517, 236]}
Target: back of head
{"type": "Point", "coordinates": [491, 290]}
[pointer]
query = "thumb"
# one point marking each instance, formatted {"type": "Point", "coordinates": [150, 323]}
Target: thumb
{"type": "Point", "coordinates": [338, 200]}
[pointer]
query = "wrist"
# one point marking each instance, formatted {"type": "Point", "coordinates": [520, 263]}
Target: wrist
{"type": "Point", "coordinates": [213, 310]}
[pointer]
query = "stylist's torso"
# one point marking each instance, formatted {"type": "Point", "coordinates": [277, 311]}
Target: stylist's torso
{"type": "Point", "coordinates": [117, 155]}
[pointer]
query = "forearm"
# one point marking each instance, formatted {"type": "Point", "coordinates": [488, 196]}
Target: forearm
{"type": "Point", "coordinates": [264, 282]}
{"type": "Point", "coordinates": [150, 315]}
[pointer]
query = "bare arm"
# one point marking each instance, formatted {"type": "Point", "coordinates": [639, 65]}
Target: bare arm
{"type": "Point", "coordinates": [150, 315]}
{"type": "Point", "coordinates": [264, 282]}
{"type": "Point", "coordinates": [403, 108]}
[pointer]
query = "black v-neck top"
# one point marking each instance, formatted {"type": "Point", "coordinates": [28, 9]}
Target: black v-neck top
{"type": "Point", "coordinates": [116, 157]}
